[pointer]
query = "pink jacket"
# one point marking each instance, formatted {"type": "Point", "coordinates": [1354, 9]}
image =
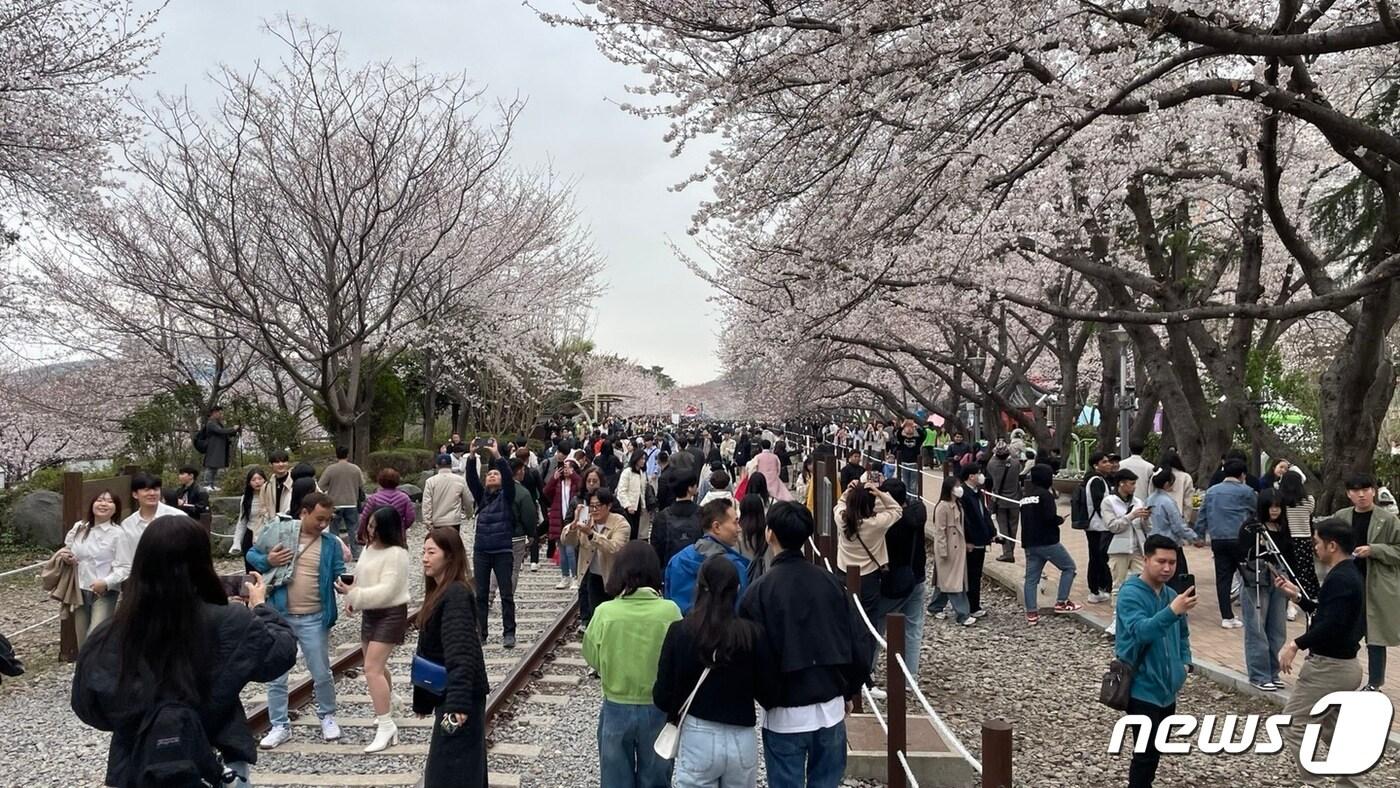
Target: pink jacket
{"type": "Point", "coordinates": [771, 467]}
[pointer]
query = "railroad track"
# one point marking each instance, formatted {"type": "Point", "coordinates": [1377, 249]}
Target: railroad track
{"type": "Point", "coordinates": [526, 684]}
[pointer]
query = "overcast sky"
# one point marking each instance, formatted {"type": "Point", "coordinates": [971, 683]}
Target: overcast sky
{"type": "Point", "coordinates": [650, 308]}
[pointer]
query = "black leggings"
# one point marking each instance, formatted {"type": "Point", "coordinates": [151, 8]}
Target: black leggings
{"type": "Point", "coordinates": [975, 560]}
{"type": "Point", "coordinates": [1100, 578]}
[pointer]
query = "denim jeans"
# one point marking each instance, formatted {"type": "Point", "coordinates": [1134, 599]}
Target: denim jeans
{"type": "Point", "coordinates": [240, 772]}
{"type": "Point", "coordinates": [312, 637]}
{"type": "Point", "coordinates": [1036, 557]}
{"type": "Point", "coordinates": [1265, 630]}
{"type": "Point", "coordinates": [568, 560]}
{"type": "Point", "coordinates": [715, 755]}
{"type": "Point", "coordinates": [94, 610]}
{"type": "Point", "coordinates": [816, 759]}
{"type": "Point", "coordinates": [347, 520]}
{"type": "Point", "coordinates": [962, 608]}
{"type": "Point", "coordinates": [626, 733]}
{"type": "Point", "coordinates": [209, 477]}
{"type": "Point", "coordinates": [484, 565]}
{"type": "Point", "coordinates": [912, 607]}
{"type": "Point", "coordinates": [909, 474]}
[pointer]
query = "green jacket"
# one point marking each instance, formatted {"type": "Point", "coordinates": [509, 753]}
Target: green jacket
{"type": "Point", "coordinates": [623, 644]}
{"type": "Point", "coordinates": [527, 514]}
{"type": "Point", "coordinates": [1382, 577]}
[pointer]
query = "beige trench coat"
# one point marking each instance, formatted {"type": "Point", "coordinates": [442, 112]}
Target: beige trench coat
{"type": "Point", "coordinates": [949, 546]}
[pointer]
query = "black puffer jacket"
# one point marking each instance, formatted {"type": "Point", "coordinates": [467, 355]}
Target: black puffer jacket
{"type": "Point", "coordinates": [450, 639]}
{"type": "Point", "coordinates": [249, 645]}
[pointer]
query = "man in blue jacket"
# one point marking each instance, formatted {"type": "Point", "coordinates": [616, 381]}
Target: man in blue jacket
{"type": "Point", "coordinates": [719, 523]}
{"type": "Point", "coordinates": [1152, 636]}
{"type": "Point", "coordinates": [495, 530]}
{"type": "Point", "coordinates": [1226, 508]}
{"type": "Point", "coordinates": [304, 593]}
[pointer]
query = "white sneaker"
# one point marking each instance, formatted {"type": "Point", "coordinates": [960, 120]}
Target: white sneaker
{"type": "Point", "coordinates": [1292, 613]}
{"type": "Point", "coordinates": [562, 584]}
{"type": "Point", "coordinates": [235, 550]}
{"type": "Point", "coordinates": [276, 737]}
{"type": "Point", "coordinates": [1112, 629]}
{"type": "Point", "coordinates": [574, 585]}
{"type": "Point", "coordinates": [534, 567]}
{"type": "Point", "coordinates": [1232, 623]}
{"type": "Point", "coordinates": [877, 693]}
{"type": "Point", "coordinates": [329, 730]}
{"type": "Point", "coordinates": [1099, 599]}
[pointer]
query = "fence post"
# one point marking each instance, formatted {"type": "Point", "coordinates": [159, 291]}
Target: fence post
{"type": "Point", "coordinates": [853, 587]}
{"type": "Point", "coordinates": [72, 513]}
{"type": "Point", "coordinates": [996, 753]}
{"type": "Point", "coordinates": [894, 705]}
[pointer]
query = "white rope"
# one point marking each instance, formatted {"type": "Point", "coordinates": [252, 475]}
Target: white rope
{"type": "Point", "coordinates": [23, 569]}
{"type": "Point", "coordinates": [933, 717]}
{"type": "Point", "coordinates": [868, 625]}
{"type": "Point", "coordinates": [874, 709]}
{"type": "Point", "coordinates": [815, 549]}
{"type": "Point", "coordinates": [48, 620]}
{"type": "Point", "coordinates": [908, 773]}
{"type": "Point", "coordinates": [221, 536]}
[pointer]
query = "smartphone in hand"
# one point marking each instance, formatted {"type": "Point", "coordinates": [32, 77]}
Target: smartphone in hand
{"type": "Point", "coordinates": [1187, 581]}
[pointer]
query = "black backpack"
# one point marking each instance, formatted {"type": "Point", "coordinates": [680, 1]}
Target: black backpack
{"type": "Point", "coordinates": [201, 441]}
{"type": "Point", "coordinates": [172, 751]}
{"type": "Point", "coordinates": [1080, 506]}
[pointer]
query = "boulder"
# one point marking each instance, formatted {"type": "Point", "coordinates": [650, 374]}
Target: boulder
{"type": "Point", "coordinates": [421, 479]}
{"type": "Point", "coordinates": [38, 519]}
{"type": "Point", "coordinates": [225, 506]}
{"type": "Point", "coordinates": [413, 491]}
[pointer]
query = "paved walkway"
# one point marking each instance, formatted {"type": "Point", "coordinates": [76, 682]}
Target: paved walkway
{"type": "Point", "coordinates": [1209, 642]}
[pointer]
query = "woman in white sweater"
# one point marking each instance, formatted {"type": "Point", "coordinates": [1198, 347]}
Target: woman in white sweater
{"type": "Point", "coordinates": [380, 593]}
{"type": "Point", "coordinates": [631, 490]}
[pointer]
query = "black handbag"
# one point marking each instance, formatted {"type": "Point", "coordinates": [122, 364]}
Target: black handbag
{"type": "Point", "coordinates": [1116, 690]}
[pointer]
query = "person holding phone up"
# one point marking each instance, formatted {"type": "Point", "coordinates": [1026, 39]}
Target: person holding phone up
{"type": "Point", "coordinates": [1127, 519]}
{"type": "Point", "coordinates": [1151, 635]}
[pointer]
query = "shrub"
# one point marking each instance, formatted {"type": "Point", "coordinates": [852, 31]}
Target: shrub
{"type": "Point", "coordinates": [405, 461]}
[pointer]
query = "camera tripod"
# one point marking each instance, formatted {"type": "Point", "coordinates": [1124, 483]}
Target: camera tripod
{"type": "Point", "coordinates": [1267, 551]}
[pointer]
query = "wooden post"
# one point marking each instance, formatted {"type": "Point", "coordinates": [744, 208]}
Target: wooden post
{"type": "Point", "coordinates": [72, 513]}
{"type": "Point", "coordinates": [996, 753]}
{"type": "Point", "coordinates": [853, 587]}
{"type": "Point", "coordinates": [894, 704]}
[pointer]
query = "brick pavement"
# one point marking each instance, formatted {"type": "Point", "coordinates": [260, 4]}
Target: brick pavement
{"type": "Point", "coordinates": [1209, 642]}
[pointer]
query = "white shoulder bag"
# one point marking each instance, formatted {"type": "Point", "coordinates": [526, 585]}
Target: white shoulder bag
{"type": "Point", "coordinates": [668, 741]}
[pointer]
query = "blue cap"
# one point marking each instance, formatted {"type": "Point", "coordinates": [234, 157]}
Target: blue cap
{"type": "Point", "coordinates": [444, 460]}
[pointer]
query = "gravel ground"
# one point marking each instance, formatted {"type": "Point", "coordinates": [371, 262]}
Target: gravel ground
{"type": "Point", "coordinates": [1045, 681]}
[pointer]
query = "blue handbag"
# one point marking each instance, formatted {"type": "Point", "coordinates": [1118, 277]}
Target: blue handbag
{"type": "Point", "coordinates": [429, 675]}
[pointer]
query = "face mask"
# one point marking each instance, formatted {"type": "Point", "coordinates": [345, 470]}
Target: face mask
{"type": "Point", "coordinates": [957, 492]}
{"type": "Point", "coordinates": [978, 479]}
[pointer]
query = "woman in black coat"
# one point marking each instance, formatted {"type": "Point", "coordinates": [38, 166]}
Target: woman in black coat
{"type": "Point", "coordinates": [448, 636]}
{"type": "Point", "coordinates": [174, 596]}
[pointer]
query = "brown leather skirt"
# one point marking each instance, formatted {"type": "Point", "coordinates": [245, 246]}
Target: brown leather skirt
{"type": "Point", "coordinates": [386, 625]}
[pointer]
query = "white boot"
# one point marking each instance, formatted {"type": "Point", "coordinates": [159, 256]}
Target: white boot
{"type": "Point", "coordinates": [387, 735]}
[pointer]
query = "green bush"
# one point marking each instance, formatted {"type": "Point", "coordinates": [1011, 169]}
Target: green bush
{"type": "Point", "coordinates": [405, 461]}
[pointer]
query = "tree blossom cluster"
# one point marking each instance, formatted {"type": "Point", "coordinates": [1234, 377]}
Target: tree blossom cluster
{"type": "Point", "coordinates": [967, 197]}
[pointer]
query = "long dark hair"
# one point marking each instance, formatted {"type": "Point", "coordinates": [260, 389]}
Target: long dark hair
{"type": "Point", "coordinates": [635, 567]}
{"type": "Point", "coordinates": [172, 578]}
{"type": "Point", "coordinates": [720, 635]}
{"type": "Point", "coordinates": [388, 527]}
{"type": "Point", "coordinates": [752, 523]}
{"type": "Point", "coordinates": [860, 505]}
{"type": "Point", "coordinates": [450, 543]}
{"type": "Point", "coordinates": [946, 493]}
{"type": "Point", "coordinates": [638, 456]}
{"type": "Point", "coordinates": [300, 489]}
{"type": "Point", "coordinates": [758, 485]}
{"type": "Point", "coordinates": [246, 505]}
{"type": "Point", "coordinates": [1171, 459]}
{"type": "Point", "coordinates": [1269, 498]}
{"type": "Point", "coordinates": [92, 515]}
{"type": "Point", "coordinates": [1291, 491]}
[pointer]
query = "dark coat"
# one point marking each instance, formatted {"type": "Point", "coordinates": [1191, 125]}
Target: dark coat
{"type": "Point", "coordinates": [675, 528]}
{"type": "Point", "coordinates": [248, 645]}
{"type": "Point", "coordinates": [450, 638]}
{"type": "Point", "coordinates": [814, 646]}
{"type": "Point", "coordinates": [196, 500]}
{"type": "Point", "coordinates": [495, 511]}
{"type": "Point", "coordinates": [218, 450]}
{"type": "Point", "coordinates": [977, 518]}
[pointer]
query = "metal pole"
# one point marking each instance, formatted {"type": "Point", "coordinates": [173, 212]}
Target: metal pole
{"type": "Point", "coordinates": [996, 753]}
{"type": "Point", "coordinates": [894, 708]}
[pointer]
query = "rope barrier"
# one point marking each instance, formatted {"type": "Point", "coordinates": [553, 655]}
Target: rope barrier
{"type": "Point", "coordinates": [874, 709]}
{"type": "Point", "coordinates": [48, 620]}
{"type": "Point", "coordinates": [908, 773]}
{"type": "Point", "coordinates": [23, 569]}
{"type": "Point", "coordinates": [868, 625]}
{"type": "Point", "coordinates": [937, 721]}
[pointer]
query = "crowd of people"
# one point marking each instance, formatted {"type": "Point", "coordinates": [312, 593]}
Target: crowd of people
{"type": "Point", "coordinates": [697, 605]}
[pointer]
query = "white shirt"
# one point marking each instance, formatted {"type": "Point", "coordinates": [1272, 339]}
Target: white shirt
{"type": "Point", "coordinates": [97, 554]}
{"type": "Point", "coordinates": [1142, 469]}
{"type": "Point", "coordinates": [134, 526]}
{"type": "Point", "coordinates": [803, 719]}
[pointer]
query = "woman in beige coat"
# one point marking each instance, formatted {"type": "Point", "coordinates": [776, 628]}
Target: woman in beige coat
{"type": "Point", "coordinates": [950, 553]}
{"type": "Point", "coordinates": [600, 534]}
